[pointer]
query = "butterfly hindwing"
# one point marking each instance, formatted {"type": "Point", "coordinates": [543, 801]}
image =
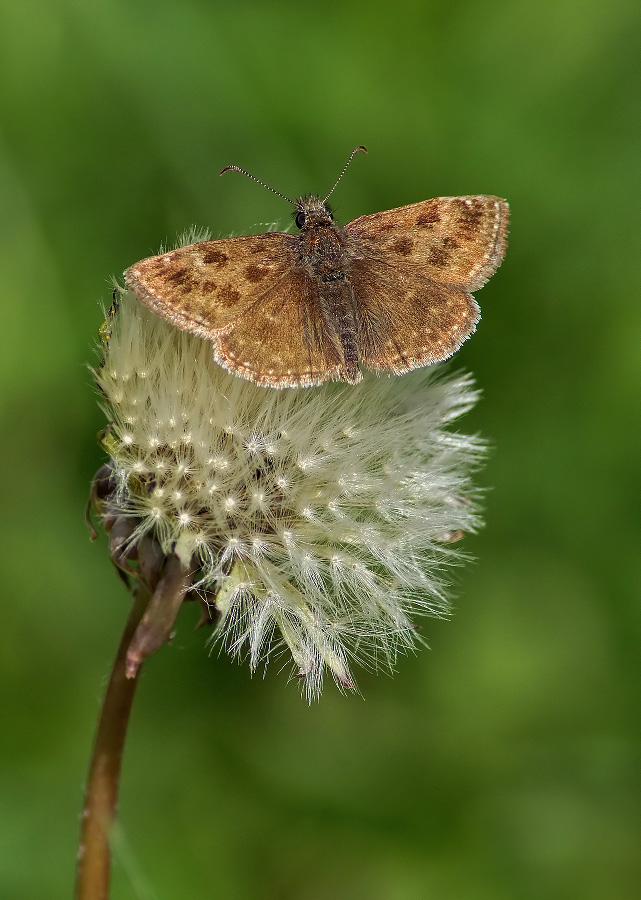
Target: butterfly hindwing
{"type": "Point", "coordinates": [281, 340]}
{"type": "Point", "coordinates": [408, 321]}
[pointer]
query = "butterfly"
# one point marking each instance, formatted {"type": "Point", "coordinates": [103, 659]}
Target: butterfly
{"type": "Point", "coordinates": [389, 292]}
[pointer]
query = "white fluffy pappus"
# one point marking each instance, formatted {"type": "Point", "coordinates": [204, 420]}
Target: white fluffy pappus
{"type": "Point", "coordinates": [320, 519]}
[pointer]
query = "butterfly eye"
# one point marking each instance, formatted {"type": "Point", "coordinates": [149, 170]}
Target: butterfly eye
{"type": "Point", "coordinates": [300, 219]}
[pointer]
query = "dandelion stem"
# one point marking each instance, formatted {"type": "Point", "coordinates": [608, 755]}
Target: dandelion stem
{"type": "Point", "coordinates": [101, 795]}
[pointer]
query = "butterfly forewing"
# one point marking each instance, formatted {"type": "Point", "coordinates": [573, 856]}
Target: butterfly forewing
{"type": "Point", "coordinates": [453, 240]}
{"type": "Point", "coordinates": [206, 286]}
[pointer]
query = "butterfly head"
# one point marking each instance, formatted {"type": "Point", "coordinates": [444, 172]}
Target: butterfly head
{"type": "Point", "coordinates": [311, 212]}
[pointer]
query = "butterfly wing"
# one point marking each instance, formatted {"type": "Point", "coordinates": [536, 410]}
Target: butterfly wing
{"type": "Point", "coordinates": [453, 240]}
{"type": "Point", "coordinates": [407, 320]}
{"type": "Point", "coordinates": [412, 272]}
{"type": "Point", "coordinates": [251, 299]}
{"type": "Point", "coordinates": [205, 287]}
{"type": "Point", "coordinates": [281, 340]}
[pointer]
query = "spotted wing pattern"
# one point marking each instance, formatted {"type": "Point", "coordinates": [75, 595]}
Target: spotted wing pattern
{"type": "Point", "coordinates": [453, 240]}
{"type": "Point", "coordinates": [413, 270]}
{"type": "Point", "coordinates": [251, 298]}
{"type": "Point", "coordinates": [205, 287]}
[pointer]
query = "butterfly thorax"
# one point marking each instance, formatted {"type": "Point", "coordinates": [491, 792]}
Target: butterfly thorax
{"type": "Point", "coordinates": [322, 250]}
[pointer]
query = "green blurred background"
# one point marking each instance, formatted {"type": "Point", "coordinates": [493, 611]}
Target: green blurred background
{"type": "Point", "coordinates": [503, 763]}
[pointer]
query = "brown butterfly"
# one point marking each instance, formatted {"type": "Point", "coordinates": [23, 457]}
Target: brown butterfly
{"type": "Point", "coordinates": [390, 291]}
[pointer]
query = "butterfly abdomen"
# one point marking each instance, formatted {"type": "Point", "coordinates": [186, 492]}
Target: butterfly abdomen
{"type": "Point", "coordinates": [323, 255]}
{"type": "Point", "coordinates": [338, 313]}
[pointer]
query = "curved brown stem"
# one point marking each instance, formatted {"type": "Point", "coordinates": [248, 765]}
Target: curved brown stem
{"type": "Point", "coordinates": [160, 615]}
{"type": "Point", "coordinates": [101, 794]}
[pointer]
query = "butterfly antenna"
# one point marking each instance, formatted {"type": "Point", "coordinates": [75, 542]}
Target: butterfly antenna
{"type": "Point", "coordinates": [351, 157]}
{"type": "Point", "coordinates": [253, 178]}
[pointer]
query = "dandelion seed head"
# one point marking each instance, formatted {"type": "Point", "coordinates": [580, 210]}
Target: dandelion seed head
{"type": "Point", "coordinates": [318, 518]}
